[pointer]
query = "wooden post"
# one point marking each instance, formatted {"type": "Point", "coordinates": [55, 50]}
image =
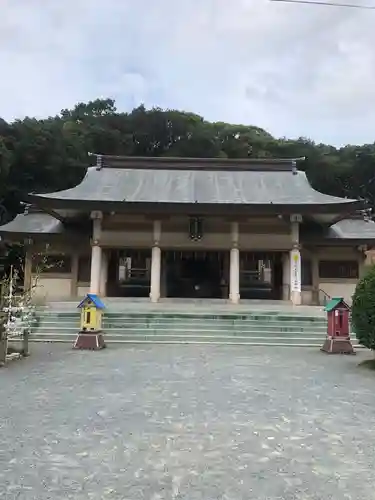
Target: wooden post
{"type": "Point", "coordinates": [25, 342]}
{"type": "Point", "coordinates": [27, 285]}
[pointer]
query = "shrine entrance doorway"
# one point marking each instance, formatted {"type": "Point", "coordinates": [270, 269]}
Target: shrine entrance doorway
{"type": "Point", "coordinates": [196, 274]}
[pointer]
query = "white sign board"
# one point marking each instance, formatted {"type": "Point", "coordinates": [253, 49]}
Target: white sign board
{"type": "Point", "coordinates": [295, 271]}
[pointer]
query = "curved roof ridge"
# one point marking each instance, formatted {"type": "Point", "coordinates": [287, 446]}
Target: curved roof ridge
{"type": "Point", "coordinates": [32, 195]}
{"type": "Point", "coordinates": [184, 163]}
{"type": "Point", "coordinates": [302, 173]}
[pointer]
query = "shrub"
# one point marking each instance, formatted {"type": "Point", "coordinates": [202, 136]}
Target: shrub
{"type": "Point", "coordinates": [363, 310]}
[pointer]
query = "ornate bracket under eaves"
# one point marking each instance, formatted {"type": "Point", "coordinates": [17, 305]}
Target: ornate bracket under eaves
{"type": "Point", "coordinates": [48, 211]}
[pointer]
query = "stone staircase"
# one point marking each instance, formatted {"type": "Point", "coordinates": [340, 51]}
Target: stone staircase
{"type": "Point", "coordinates": [137, 322]}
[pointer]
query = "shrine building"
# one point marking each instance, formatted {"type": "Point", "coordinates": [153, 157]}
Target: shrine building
{"type": "Point", "coordinates": [202, 228]}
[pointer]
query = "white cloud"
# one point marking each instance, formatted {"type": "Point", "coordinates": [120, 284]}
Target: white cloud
{"type": "Point", "coordinates": [292, 69]}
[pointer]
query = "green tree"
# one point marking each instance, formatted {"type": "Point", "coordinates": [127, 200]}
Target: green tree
{"type": "Point", "coordinates": [363, 310]}
{"type": "Point", "coordinates": [51, 154]}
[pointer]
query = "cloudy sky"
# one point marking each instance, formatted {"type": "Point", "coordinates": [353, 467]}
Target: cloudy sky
{"type": "Point", "coordinates": [296, 70]}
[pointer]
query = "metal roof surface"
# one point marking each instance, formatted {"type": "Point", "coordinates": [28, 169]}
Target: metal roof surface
{"type": "Point", "coordinates": [352, 229]}
{"type": "Point", "coordinates": [195, 186]}
{"type": "Point", "coordinates": [94, 299]}
{"type": "Point", "coordinates": [33, 223]}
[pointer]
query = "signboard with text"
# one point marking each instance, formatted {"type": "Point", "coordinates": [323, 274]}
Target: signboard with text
{"type": "Point", "coordinates": [295, 268]}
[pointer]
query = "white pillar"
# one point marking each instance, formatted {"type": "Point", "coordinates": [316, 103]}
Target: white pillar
{"type": "Point", "coordinates": [96, 253]}
{"type": "Point", "coordinates": [155, 274]}
{"type": "Point", "coordinates": [234, 266]}
{"type": "Point", "coordinates": [96, 257]}
{"type": "Point", "coordinates": [155, 263]}
{"type": "Point", "coordinates": [295, 262]}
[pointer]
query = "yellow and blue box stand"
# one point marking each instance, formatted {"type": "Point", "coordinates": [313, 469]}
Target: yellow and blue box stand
{"type": "Point", "coordinates": [90, 335]}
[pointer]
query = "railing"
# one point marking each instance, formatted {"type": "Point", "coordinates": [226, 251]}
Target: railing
{"type": "Point", "coordinates": [132, 274]}
{"type": "Point", "coordinates": [326, 297]}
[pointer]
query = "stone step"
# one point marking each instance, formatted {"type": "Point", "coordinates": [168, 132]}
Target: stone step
{"type": "Point", "coordinates": [192, 310]}
{"type": "Point", "coordinates": [144, 323]}
{"type": "Point", "coordinates": [191, 317]}
{"type": "Point", "coordinates": [197, 328]}
{"type": "Point", "coordinates": [185, 303]}
{"type": "Point", "coordinates": [185, 329]}
{"type": "Point", "coordinates": [199, 319]}
{"type": "Point", "coordinates": [181, 339]}
{"type": "Point", "coordinates": [108, 322]}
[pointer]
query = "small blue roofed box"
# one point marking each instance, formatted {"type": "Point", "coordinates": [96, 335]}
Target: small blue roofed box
{"type": "Point", "coordinates": [91, 313]}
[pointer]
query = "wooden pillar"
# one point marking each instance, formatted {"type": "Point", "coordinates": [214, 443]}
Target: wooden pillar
{"type": "Point", "coordinates": [28, 269]}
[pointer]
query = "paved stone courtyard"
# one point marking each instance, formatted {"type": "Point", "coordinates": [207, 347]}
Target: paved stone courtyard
{"type": "Point", "coordinates": [187, 423]}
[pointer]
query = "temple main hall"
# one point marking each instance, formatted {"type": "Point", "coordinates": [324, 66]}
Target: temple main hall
{"type": "Point", "coordinates": [205, 228]}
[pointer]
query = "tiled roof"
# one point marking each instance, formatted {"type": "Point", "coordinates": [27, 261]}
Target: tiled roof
{"type": "Point", "coordinates": [195, 186]}
{"type": "Point", "coordinates": [352, 229]}
{"type": "Point", "coordinates": [33, 223]}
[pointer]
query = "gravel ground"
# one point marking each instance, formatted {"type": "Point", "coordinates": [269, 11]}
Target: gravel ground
{"type": "Point", "coordinates": [187, 423]}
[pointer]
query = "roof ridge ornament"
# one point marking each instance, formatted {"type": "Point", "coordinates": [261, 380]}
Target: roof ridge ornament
{"type": "Point", "coordinates": [99, 160]}
{"type": "Point", "coordinates": [366, 213]}
{"type": "Point", "coordinates": [26, 209]}
{"type": "Point", "coordinates": [294, 164]}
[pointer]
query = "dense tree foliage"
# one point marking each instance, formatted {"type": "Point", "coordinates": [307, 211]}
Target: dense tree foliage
{"type": "Point", "coordinates": [363, 310]}
{"type": "Point", "coordinates": [51, 154]}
